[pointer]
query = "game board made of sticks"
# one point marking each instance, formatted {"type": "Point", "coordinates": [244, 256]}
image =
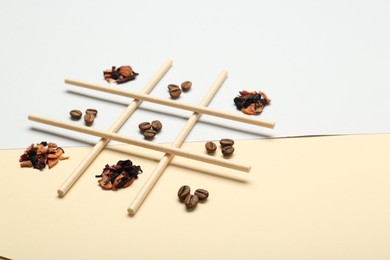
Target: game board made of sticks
{"type": "Point", "coordinates": [170, 151]}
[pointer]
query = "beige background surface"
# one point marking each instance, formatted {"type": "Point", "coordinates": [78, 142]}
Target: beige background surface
{"type": "Point", "coordinates": [305, 198]}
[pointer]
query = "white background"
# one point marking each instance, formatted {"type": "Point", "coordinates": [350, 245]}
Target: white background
{"type": "Point", "coordinates": [325, 64]}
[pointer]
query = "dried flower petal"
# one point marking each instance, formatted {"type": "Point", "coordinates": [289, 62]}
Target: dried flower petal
{"type": "Point", "coordinates": [119, 75]}
{"type": "Point", "coordinates": [251, 102]}
{"type": "Point", "coordinates": [104, 184]}
{"type": "Point", "coordinates": [120, 175]}
{"type": "Point", "coordinates": [42, 154]}
{"type": "Point", "coordinates": [249, 110]}
{"type": "Point", "coordinates": [26, 164]}
{"type": "Point", "coordinates": [265, 97]}
{"type": "Point", "coordinates": [52, 163]}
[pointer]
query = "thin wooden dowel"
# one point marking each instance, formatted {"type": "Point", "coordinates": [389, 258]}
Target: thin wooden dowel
{"type": "Point", "coordinates": [172, 103]}
{"type": "Point", "coordinates": [91, 156]}
{"type": "Point", "coordinates": [138, 142]}
{"type": "Point", "coordinates": [164, 162]}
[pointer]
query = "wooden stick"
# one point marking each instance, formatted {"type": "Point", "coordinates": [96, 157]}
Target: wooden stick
{"type": "Point", "coordinates": [138, 142]}
{"type": "Point", "coordinates": [164, 162]}
{"type": "Point", "coordinates": [172, 103]}
{"type": "Point", "coordinates": [80, 169]}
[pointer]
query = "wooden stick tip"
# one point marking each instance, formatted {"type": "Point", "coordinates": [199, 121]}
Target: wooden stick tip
{"type": "Point", "coordinates": [131, 211]}
{"type": "Point", "coordinates": [60, 193]}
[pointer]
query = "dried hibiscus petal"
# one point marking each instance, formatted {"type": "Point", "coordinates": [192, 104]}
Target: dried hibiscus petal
{"type": "Point", "coordinates": [120, 175]}
{"type": "Point", "coordinates": [251, 102]}
{"type": "Point", "coordinates": [253, 109]}
{"type": "Point", "coordinates": [121, 181]}
{"type": "Point", "coordinates": [26, 164]}
{"type": "Point", "coordinates": [104, 183]}
{"type": "Point", "coordinates": [267, 100]}
{"type": "Point", "coordinates": [119, 75]}
{"type": "Point", "coordinates": [40, 155]}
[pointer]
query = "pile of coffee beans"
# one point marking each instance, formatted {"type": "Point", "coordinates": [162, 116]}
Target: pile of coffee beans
{"type": "Point", "coordinates": [150, 130]}
{"type": "Point", "coordinates": [89, 117]}
{"type": "Point", "coordinates": [175, 91]}
{"type": "Point", "coordinates": [227, 148]}
{"type": "Point", "coordinates": [191, 200]}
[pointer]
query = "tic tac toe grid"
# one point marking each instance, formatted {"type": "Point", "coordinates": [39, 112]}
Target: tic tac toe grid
{"type": "Point", "coordinates": [169, 151]}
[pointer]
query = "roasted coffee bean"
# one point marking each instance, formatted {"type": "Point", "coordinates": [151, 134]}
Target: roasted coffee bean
{"type": "Point", "coordinates": [191, 201]}
{"type": "Point", "coordinates": [156, 125]}
{"type": "Point", "coordinates": [91, 111]}
{"type": "Point", "coordinates": [175, 93]}
{"type": "Point", "coordinates": [226, 142]}
{"type": "Point", "coordinates": [210, 147]}
{"type": "Point", "coordinates": [149, 134]}
{"type": "Point", "coordinates": [89, 118]}
{"type": "Point", "coordinates": [172, 87]}
{"type": "Point", "coordinates": [183, 192]}
{"type": "Point", "coordinates": [144, 126]}
{"type": "Point", "coordinates": [186, 85]}
{"type": "Point", "coordinates": [227, 150]}
{"type": "Point", "coordinates": [202, 194]}
{"type": "Point", "coordinates": [75, 114]}
{"type": "Point", "coordinates": [174, 90]}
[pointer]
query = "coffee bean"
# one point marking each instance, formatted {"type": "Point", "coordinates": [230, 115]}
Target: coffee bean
{"type": "Point", "coordinates": [89, 118]}
{"type": "Point", "coordinates": [144, 126]}
{"type": "Point", "coordinates": [202, 194]}
{"type": "Point", "coordinates": [183, 192]}
{"type": "Point", "coordinates": [226, 142]}
{"type": "Point", "coordinates": [174, 90]}
{"type": "Point", "coordinates": [149, 134]}
{"type": "Point", "coordinates": [210, 147]}
{"type": "Point", "coordinates": [175, 93]}
{"type": "Point", "coordinates": [92, 111]}
{"type": "Point", "coordinates": [227, 150]}
{"type": "Point", "coordinates": [75, 114]}
{"type": "Point", "coordinates": [156, 125]}
{"type": "Point", "coordinates": [186, 85]}
{"type": "Point", "coordinates": [172, 87]}
{"type": "Point", "coordinates": [191, 201]}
